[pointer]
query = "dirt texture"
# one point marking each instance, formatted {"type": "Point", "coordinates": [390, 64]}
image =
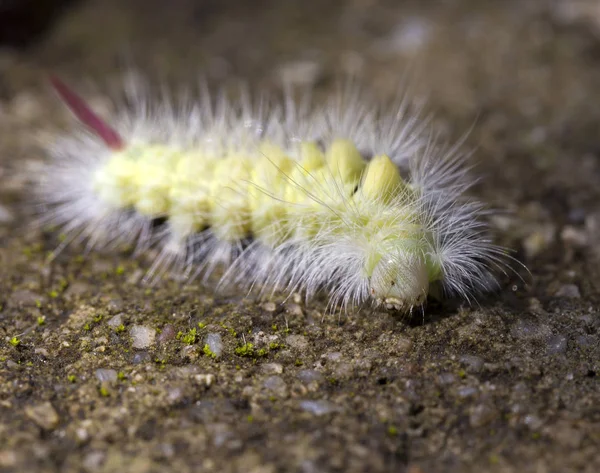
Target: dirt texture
{"type": "Point", "coordinates": [102, 373]}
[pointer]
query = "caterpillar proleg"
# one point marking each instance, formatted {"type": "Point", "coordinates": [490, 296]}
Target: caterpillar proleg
{"type": "Point", "coordinates": [344, 196]}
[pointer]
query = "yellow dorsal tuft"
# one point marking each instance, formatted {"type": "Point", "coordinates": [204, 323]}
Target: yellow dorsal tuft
{"type": "Point", "coordinates": [381, 180]}
{"type": "Point", "coordinates": [345, 161]}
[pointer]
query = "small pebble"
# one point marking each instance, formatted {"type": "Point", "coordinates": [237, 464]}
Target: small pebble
{"type": "Point", "coordinates": [140, 357]}
{"type": "Point", "coordinates": [276, 385]}
{"type": "Point", "coordinates": [82, 435]}
{"type": "Point", "coordinates": [300, 342]}
{"type": "Point", "coordinates": [93, 461]}
{"type": "Point", "coordinates": [574, 237]}
{"type": "Point", "coordinates": [142, 336]}
{"type": "Point", "coordinates": [533, 422]}
{"type": "Point", "coordinates": [473, 363]}
{"type": "Point", "coordinates": [115, 321]}
{"type": "Point", "coordinates": [446, 378]}
{"type": "Point", "coordinates": [502, 222]}
{"type": "Point", "coordinates": [223, 436]}
{"type": "Point", "coordinates": [467, 391]}
{"type": "Point", "coordinates": [319, 408]}
{"type": "Point", "coordinates": [190, 352]}
{"type": "Point", "coordinates": [43, 415]}
{"type": "Point", "coordinates": [42, 351]}
{"type": "Point", "coordinates": [167, 450]}
{"type": "Point", "coordinates": [272, 368]}
{"type": "Point", "coordinates": [482, 414]}
{"type": "Point", "coordinates": [78, 288]}
{"type": "Point", "coordinates": [333, 356]}
{"type": "Point", "coordinates": [570, 291]}
{"type": "Point", "coordinates": [168, 333]}
{"type": "Point", "coordinates": [270, 306]}
{"type": "Point", "coordinates": [587, 341]}
{"type": "Point", "coordinates": [535, 306]}
{"type": "Point", "coordinates": [408, 37]}
{"type": "Point", "coordinates": [106, 375]}
{"type": "Point", "coordinates": [6, 216]}
{"type": "Point", "coordinates": [403, 344]}
{"type": "Point", "coordinates": [309, 376]}
{"type": "Point", "coordinates": [215, 343]}
{"type": "Point", "coordinates": [115, 305]}
{"type": "Point", "coordinates": [538, 241]}
{"type": "Point", "coordinates": [529, 329]}
{"type": "Point", "coordinates": [135, 277]}
{"type": "Point", "coordinates": [343, 370]}
{"type": "Point", "coordinates": [556, 344]}
{"type": "Point", "coordinates": [8, 459]}
{"type": "Point", "coordinates": [174, 395]}
{"type": "Point", "coordinates": [204, 379]}
{"type": "Point", "coordinates": [295, 309]}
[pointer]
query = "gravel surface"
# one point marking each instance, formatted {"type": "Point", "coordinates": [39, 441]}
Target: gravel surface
{"type": "Point", "coordinates": [101, 373]}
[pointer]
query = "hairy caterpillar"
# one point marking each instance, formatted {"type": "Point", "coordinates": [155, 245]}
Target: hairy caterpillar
{"type": "Point", "coordinates": [344, 196]}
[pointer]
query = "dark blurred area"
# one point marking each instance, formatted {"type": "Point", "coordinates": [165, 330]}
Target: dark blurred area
{"type": "Point", "coordinates": [22, 22]}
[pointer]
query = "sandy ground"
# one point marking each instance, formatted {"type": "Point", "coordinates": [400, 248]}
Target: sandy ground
{"type": "Point", "coordinates": [100, 373]}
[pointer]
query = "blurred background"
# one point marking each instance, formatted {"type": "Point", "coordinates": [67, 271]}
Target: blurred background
{"type": "Point", "coordinates": [22, 22]}
{"type": "Point", "coordinates": [506, 386]}
{"type": "Point", "coordinates": [521, 75]}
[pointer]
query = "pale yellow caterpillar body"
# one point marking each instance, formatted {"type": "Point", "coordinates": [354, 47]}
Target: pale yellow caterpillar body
{"type": "Point", "coordinates": [346, 196]}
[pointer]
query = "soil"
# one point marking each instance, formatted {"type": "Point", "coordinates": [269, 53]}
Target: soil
{"type": "Point", "coordinates": [100, 372]}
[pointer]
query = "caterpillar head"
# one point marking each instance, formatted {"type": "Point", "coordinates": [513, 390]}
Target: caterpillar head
{"type": "Point", "coordinates": [400, 281]}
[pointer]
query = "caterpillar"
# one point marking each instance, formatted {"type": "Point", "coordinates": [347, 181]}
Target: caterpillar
{"type": "Point", "coordinates": [347, 196]}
